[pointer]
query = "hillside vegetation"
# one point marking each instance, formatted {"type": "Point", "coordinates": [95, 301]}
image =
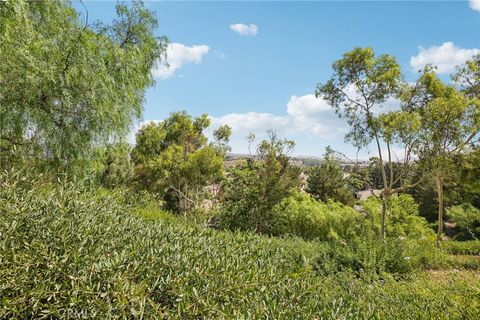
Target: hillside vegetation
{"type": "Point", "coordinates": [96, 226]}
{"type": "Point", "coordinates": [66, 252]}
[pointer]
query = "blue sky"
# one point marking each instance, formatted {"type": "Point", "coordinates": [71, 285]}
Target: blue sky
{"type": "Point", "coordinates": [264, 78]}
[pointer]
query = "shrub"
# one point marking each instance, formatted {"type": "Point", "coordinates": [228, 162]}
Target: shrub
{"type": "Point", "coordinates": [251, 193]}
{"type": "Point", "coordinates": [326, 181]}
{"type": "Point", "coordinates": [402, 217]}
{"type": "Point", "coordinates": [366, 257]}
{"type": "Point", "coordinates": [467, 218]}
{"type": "Point", "coordinates": [303, 216]}
{"type": "Point", "coordinates": [462, 247]}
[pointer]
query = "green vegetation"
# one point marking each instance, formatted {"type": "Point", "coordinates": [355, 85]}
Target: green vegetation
{"type": "Point", "coordinates": [173, 159]}
{"type": "Point", "coordinates": [70, 253]}
{"type": "Point", "coordinates": [326, 181]}
{"type": "Point", "coordinates": [93, 227]}
{"type": "Point", "coordinates": [303, 216]}
{"type": "Point", "coordinates": [67, 85]}
{"type": "Point", "coordinates": [403, 219]}
{"type": "Point", "coordinates": [463, 247]}
{"type": "Point", "coordinates": [251, 192]}
{"type": "Point", "coordinates": [467, 220]}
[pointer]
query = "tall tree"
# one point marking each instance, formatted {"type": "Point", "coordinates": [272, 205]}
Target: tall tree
{"type": "Point", "coordinates": [449, 124]}
{"type": "Point", "coordinates": [67, 85]}
{"type": "Point", "coordinates": [361, 85]}
{"type": "Point", "coordinates": [467, 77]}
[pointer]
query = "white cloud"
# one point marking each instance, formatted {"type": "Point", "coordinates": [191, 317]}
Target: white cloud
{"type": "Point", "coordinates": [308, 120]}
{"type": "Point", "coordinates": [306, 116]}
{"type": "Point", "coordinates": [445, 57]}
{"type": "Point", "coordinates": [307, 104]}
{"type": "Point", "coordinates": [251, 122]}
{"type": "Point", "coordinates": [244, 29]}
{"type": "Point", "coordinates": [475, 5]}
{"type": "Point", "coordinates": [179, 54]}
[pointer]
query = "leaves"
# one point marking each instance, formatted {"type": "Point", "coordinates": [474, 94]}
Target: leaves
{"type": "Point", "coordinates": [68, 86]}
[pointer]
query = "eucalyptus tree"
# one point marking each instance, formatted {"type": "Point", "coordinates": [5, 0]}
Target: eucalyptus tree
{"type": "Point", "coordinates": [467, 77]}
{"type": "Point", "coordinates": [67, 85]}
{"type": "Point", "coordinates": [450, 122]}
{"type": "Point", "coordinates": [361, 85]}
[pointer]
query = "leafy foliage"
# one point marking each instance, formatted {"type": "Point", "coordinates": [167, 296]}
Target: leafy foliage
{"type": "Point", "coordinates": [467, 219]}
{"type": "Point", "coordinates": [67, 86]}
{"type": "Point", "coordinates": [251, 192]}
{"type": "Point", "coordinates": [367, 258]}
{"type": "Point", "coordinates": [303, 216]}
{"type": "Point", "coordinates": [463, 247]}
{"type": "Point", "coordinates": [174, 160]}
{"type": "Point", "coordinates": [71, 254]}
{"type": "Point", "coordinates": [450, 120]}
{"type": "Point", "coordinates": [403, 218]}
{"type": "Point", "coordinates": [327, 181]}
{"type": "Point", "coordinates": [117, 165]}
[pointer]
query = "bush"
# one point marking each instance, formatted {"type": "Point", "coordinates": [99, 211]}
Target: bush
{"type": "Point", "coordinates": [462, 247]}
{"type": "Point", "coordinates": [250, 193]}
{"type": "Point", "coordinates": [467, 219]}
{"type": "Point", "coordinates": [402, 217]}
{"type": "Point", "coordinates": [366, 258]}
{"type": "Point", "coordinates": [303, 216]}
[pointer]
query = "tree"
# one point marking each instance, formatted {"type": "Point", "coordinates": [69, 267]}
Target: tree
{"type": "Point", "coordinates": [251, 192]}
{"type": "Point", "coordinates": [467, 77]}
{"type": "Point", "coordinates": [469, 176]}
{"type": "Point", "coordinates": [173, 159]}
{"type": "Point", "coordinates": [467, 219]}
{"type": "Point", "coordinates": [361, 84]}
{"type": "Point", "coordinates": [301, 215]}
{"type": "Point", "coordinates": [404, 220]}
{"type": "Point", "coordinates": [327, 181]}
{"type": "Point", "coordinates": [117, 167]}
{"type": "Point", "coordinates": [449, 124]}
{"type": "Point", "coordinates": [67, 86]}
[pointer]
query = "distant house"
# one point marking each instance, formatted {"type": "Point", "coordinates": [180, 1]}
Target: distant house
{"type": "Point", "coordinates": [365, 194]}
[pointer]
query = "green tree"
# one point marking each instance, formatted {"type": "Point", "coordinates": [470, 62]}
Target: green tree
{"type": "Point", "coordinates": [467, 218]}
{"type": "Point", "coordinates": [301, 215]}
{"type": "Point", "coordinates": [66, 85]}
{"type": "Point", "coordinates": [361, 84]}
{"type": "Point", "coordinates": [467, 77]}
{"type": "Point", "coordinates": [403, 220]}
{"type": "Point", "coordinates": [251, 192]}
{"type": "Point", "coordinates": [449, 123]}
{"type": "Point", "coordinates": [173, 159]}
{"type": "Point", "coordinates": [117, 165]}
{"type": "Point", "coordinates": [327, 181]}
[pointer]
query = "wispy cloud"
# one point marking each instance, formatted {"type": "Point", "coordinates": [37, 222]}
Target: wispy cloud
{"type": "Point", "coordinates": [179, 54]}
{"type": "Point", "coordinates": [244, 29]}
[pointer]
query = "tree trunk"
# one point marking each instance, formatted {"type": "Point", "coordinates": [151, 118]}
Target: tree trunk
{"type": "Point", "coordinates": [383, 233]}
{"type": "Point", "coordinates": [385, 187]}
{"type": "Point", "coordinates": [439, 188]}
